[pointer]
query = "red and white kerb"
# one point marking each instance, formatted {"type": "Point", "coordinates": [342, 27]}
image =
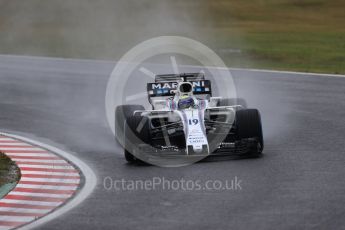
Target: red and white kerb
{"type": "Point", "coordinates": [47, 181]}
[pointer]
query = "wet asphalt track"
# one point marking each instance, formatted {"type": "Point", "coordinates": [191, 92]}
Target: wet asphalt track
{"type": "Point", "coordinates": [298, 183]}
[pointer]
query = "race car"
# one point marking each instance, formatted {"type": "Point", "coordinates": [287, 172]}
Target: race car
{"type": "Point", "coordinates": [187, 121]}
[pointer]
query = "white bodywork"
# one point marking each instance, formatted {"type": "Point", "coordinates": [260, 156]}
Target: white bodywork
{"type": "Point", "coordinates": [194, 129]}
{"type": "Point", "coordinates": [192, 118]}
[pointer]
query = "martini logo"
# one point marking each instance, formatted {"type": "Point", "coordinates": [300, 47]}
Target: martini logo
{"type": "Point", "coordinates": [168, 85]}
{"type": "Point", "coordinates": [173, 85]}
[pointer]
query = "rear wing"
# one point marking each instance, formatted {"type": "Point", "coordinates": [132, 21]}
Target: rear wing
{"type": "Point", "coordinates": [179, 77]}
{"type": "Point", "coordinates": [163, 89]}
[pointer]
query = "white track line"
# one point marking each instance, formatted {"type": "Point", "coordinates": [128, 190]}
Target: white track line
{"type": "Point", "coordinates": [46, 166]}
{"type": "Point", "coordinates": [89, 183]}
{"type": "Point", "coordinates": [24, 210]}
{"type": "Point", "coordinates": [20, 149]}
{"type": "Point", "coordinates": [46, 187]}
{"type": "Point", "coordinates": [30, 154]}
{"type": "Point", "coordinates": [266, 71]}
{"type": "Point", "coordinates": [38, 161]}
{"type": "Point", "coordinates": [6, 139]}
{"type": "Point", "coordinates": [17, 218]}
{"type": "Point", "coordinates": [38, 203]}
{"type": "Point", "coordinates": [41, 194]}
{"type": "Point", "coordinates": [58, 180]}
{"type": "Point", "coordinates": [49, 173]}
{"type": "Point", "coordinates": [289, 72]}
{"type": "Point", "coordinates": [13, 144]}
{"type": "Point", "coordinates": [38, 58]}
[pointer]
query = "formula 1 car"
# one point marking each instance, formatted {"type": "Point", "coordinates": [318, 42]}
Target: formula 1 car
{"type": "Point", "coordinates": [185, 121]}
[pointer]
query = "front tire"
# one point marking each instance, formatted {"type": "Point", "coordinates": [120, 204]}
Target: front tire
{"type": "Point", "coordinates": [248, 125]}
{"type": "Point", "coordinates": [122, 112]}
{"type": "Point", "coordinates": [136, 131]}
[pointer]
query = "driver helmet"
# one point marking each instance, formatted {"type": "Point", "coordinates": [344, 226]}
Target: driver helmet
{"type": "Point", "coordinates": [185, 102]}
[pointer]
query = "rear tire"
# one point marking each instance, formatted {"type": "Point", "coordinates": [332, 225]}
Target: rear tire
{"type": "Point", "coordinates": [232, 102]}
{"type": "Point", "coordinates": [122, 112]}
{"type": "Point", "coordinates": [136, 131]}
{"type": "Point", "coordinates": [248, 123]}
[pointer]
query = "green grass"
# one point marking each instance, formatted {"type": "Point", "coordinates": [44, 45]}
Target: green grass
{"type": "Point", "coordinates": [9, 172]}
{"type": "Point", "coordinates": [293, 51]}
{"type": "Point", "coordinates": [301, 35]}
